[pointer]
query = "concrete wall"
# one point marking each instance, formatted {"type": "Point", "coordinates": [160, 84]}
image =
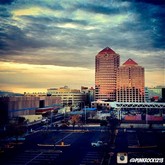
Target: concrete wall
{"type": "Point", "coordinates": [23, 105]}
{"type": "Point", "coordinates": [51, 100]}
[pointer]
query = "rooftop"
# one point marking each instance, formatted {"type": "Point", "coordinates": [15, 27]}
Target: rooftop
{"type": "Point", "coordinates": [130, 62]}
{"type": "Point", "coordinates": [107, 50]}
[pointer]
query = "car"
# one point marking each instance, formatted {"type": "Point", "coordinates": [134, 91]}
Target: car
{"type": "Point", "coordinates": [45, 121]}
{"type": "Point", "coordinates": [7, 146]}
{"type": "Point", "coordinates": [98, 144]}
{"type": "Point", "coordinates": [17, 139]}
{"type": "Point", "coordinates": [1, 150]}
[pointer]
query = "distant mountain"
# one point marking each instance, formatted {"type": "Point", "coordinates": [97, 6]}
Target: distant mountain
{"type": "Point", "coordinates": [7, 93]}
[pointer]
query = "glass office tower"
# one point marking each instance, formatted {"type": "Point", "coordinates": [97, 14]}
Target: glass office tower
{"type": "Point", "coordinates": [106, 64]}
{"type": "Point", "coordinates": [130, 82]}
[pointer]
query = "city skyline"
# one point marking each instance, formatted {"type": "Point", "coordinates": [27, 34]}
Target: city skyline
{"type": "Point", "coordinates": [52, 43]}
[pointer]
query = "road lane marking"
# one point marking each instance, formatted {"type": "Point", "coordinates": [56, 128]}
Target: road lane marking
{"type": "Point", "coordinates": [154, 146]}
{"type": "Point", "coordinates": [64, 137]}
{"type": "Point", "coordinates": [33, 158]}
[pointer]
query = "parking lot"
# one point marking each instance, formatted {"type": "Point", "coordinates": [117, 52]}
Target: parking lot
{"type": "Point", "coordinates": [139, 143]}
{"type": "Point", "coordinates": [31, 157]}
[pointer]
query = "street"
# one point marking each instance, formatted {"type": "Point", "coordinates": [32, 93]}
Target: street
{"type": "Point", "coordinates": [52, 146]}
{"type": "Point", "coordinates": [138, 143]}
{"type": "Point", "coordinates": [73, 146]}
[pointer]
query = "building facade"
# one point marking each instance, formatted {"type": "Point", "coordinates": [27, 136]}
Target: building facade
{"type": "Point", "coordinates": [147, 99]}
{"type": "Point", "coordinates": [106, 64]}
{"type": "Point", "coordinates": [130, 82]}
{"type": "Point", "coordinates": [16, 106]}
{"type": "Point", "coordinates": [156, 93]}
{"type": "Point", "coordinates": [69, 97]}
{"type": "Point", "coordinates": [89, 94]}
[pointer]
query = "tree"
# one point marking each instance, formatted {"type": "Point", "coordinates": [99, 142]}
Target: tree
{"type": "Point", "coordinates": [17, 127]}
{"type": "Point", "coordinates": [75, 119]}
{"type": "Point", "coordinates": [113, 122]}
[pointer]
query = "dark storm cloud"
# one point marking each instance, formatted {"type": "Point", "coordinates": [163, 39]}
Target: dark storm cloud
{"type": "Point", "coordinates": [148, 24]}
{"type": "Point", "coordinates": [154, 61]}
{"type": "Point", "coordinates": [15, 39]}
{"type": "Point", "coordinates": [52, 20]}
{"type": "Point", "coordinates": [21, 48]}
{"type": "Point", "coordinates": [96, 8]}
{"type": "Point", "coordinates": [153, 2]}
{"type": "Point", "coordinates": [41, 31]}
{"type": "Point", "coordinates": [4, 13]}
{"type": "Point", "coordinates": [142, 30]}
{"type": "Point", "coordinates": [152, 21]}
{"type": "Point", "coordinates": [6, 1]}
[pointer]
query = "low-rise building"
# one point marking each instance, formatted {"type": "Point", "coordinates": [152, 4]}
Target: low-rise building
{"type": "Point", "coordinates": [147, 99]}
{"type": "Point", "coordinates": [89, 94]}
{"type": "Point", "coordinates": [156, 93]}
{"type": "Point", "coordinates": [69, 97]}
{"type": "Point", "coordinates": [24, 105]}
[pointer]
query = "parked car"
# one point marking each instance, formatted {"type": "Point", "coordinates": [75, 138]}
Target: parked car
{"type": "Point", "coordinates": [45, 121]}
{"type": "Point", "coordinates": [98, 144]}
{"type": "Point", "coordinates": [1, 150]}
{"type": "Point", "coordinates": [18, 139]}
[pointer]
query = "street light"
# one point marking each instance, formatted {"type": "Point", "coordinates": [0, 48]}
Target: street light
{"type": "Point", "coordinates": [86, 113]}
{"type": "Point", "coordinates": [65, 108]}
{"type": "Point", "coordinates": [147, 117]}
{"type": "Point", "coordinates": [51, 117]}
{"type": "Point", "coordinates": [65, 113]}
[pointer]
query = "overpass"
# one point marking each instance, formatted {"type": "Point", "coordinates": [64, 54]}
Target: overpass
{"type": "Point", "coordinates": [144, 113]}
{"type": "Point", "coordinates": [134, 112]}
{"type": "Point", "coordinates": [151, 105]}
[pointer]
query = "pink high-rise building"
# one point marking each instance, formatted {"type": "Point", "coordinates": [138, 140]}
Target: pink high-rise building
{"type": "Point", "coordinates": [106, 64]}
{"type": "Point", "coordinates": [130, 82]}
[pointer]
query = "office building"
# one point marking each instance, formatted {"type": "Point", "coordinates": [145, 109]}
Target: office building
{"type": "Point", "coordinates": [106, 64]}
{"type": "Point", "coordinates": [147, 99]}
{"type": "Point", "coordinates": [69, 97]}
{"type": "Point", "coordinates": [156, 93]}
{"type": "Point", "coordinates": [89, 94]}
{"type": "Point", "coordinates": [130, 82]}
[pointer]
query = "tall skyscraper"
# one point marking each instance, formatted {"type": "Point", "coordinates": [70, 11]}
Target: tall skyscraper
{"type": "Point", "coordinates": [106, 64]}
{"type": "Point", "coordinates": [130, 82]}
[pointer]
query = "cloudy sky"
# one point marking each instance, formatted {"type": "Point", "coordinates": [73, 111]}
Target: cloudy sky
{"type": "Point", "coordinates": [52, 43]}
